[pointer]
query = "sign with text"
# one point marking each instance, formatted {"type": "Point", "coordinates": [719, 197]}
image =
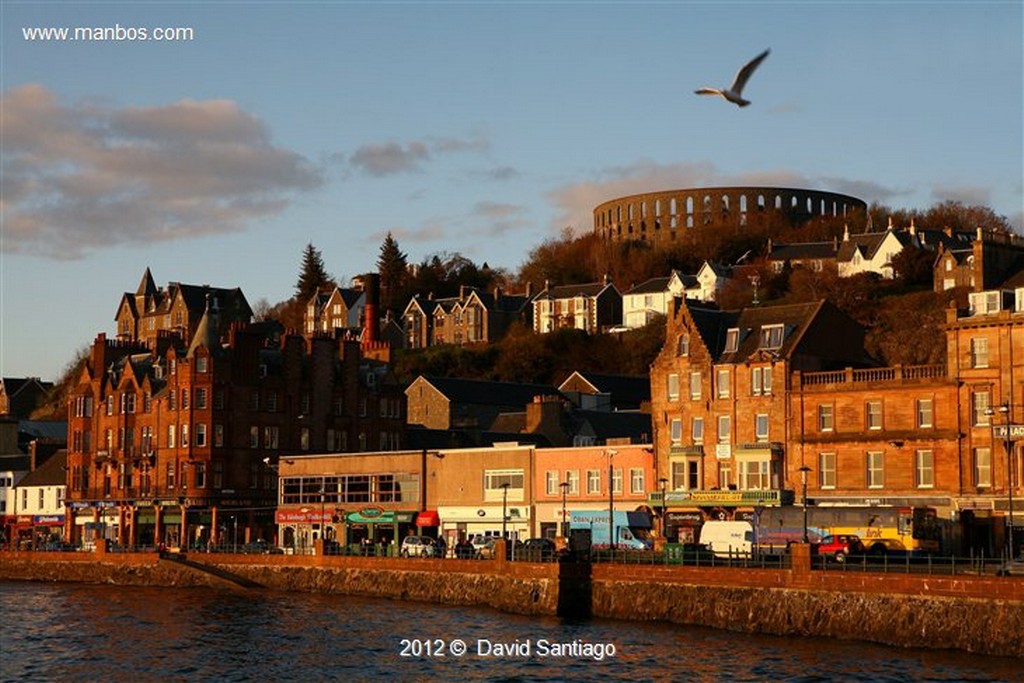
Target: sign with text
{"type": "Point", "coordinates": [1016, 432]}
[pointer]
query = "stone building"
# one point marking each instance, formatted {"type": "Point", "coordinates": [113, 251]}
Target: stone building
{"type": "Point", "coordinates": [166, 441]}
{"type": "Point", "coordinates": [151, 312]}
{"type": "Point", "coordinates": [592, 307]}
{"type": "Point", "coordinates": [474, 316]}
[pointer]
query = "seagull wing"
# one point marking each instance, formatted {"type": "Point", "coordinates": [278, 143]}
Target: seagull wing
{"type": "Point", "coordinates": [708, 91]}
{"type": "Point", "coordinates": [743, 74]}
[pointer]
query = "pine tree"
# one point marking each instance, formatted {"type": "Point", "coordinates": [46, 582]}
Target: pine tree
{"type": "Point", "coordinates": [312, 276]}
{"type": "Point", "coordinates": [393, 267]}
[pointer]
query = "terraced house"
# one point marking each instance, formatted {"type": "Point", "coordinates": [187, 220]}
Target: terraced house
{"type": "Point", "coordinates": [475, 316]}
{"type": "Point", "coordinates": [176, 442]}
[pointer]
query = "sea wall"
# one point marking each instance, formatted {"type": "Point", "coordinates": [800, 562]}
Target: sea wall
{"type": "Point", "coordinates": [982, 614]}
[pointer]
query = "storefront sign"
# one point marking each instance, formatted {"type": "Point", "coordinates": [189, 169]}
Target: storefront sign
{"type": "Point", "coordinates": [48, 520]}
{"type": "Point", "coordinates": [372, 512]}
{"type": "Point", "coordinates": [1016, 432]}
{"type": "Point", "coordinates": [301, 517]}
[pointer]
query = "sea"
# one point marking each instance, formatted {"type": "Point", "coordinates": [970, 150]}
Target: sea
{"type": "Point", "coordinates": [101, 633]}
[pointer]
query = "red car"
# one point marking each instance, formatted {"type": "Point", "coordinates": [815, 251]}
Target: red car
{"type": "Point", "coordinates": [838, 547]}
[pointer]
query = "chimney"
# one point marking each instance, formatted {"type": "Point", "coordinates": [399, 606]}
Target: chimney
{"type": "Point", "coordinates": [371, 310]}
{"type": "Point", "coordinates": [497, 292]}
{"type": "Point", "coordinates": [529, 290]}
{"type": "Point", "coordinates": [846, 233]}
{"type": "Point", "coordinates": [913, 228]}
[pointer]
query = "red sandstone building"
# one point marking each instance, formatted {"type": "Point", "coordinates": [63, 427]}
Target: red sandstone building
{"type": "Point", "coordinates": [177, 441]}
{"type": "Point", "coordinates": [747, 404]}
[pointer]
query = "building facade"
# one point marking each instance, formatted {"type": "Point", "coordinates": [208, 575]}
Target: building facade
{"type": "Point", "coordinates": [593, 307]}
{"type": "Point", "coordinates": [164, 442]}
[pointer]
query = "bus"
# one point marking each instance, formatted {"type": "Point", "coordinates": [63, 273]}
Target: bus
{"type": "Point", "coordinates": [883, 530]}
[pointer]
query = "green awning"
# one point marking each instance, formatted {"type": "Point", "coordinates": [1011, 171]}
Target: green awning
{"type": "Point", "coordinates": [384, 517]}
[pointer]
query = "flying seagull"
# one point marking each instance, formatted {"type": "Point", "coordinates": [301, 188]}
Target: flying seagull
{"type": "Point", "coordinates": [734, 92]}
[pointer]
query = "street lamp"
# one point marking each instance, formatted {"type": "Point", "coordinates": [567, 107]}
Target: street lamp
{"type": "Point", "coordinates": [504, 510]}
{"type": "Point", "coordinates": [611, 499]}
{"type": "Point", "coordinates": [1008, 444]}
{"type": "Point", "coordinates": [664, 482]}
{"type": "Point", "coordinates": [803, 479]}
{"type": "Point", "coordinates": [565, 487]}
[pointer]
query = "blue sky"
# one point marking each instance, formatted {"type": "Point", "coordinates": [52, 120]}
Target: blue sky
{"type": "Point", "coordinates": [475, 127]}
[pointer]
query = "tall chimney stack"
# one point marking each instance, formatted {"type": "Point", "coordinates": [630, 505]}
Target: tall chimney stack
{"type": "Point", "coordinates": [371, 309]}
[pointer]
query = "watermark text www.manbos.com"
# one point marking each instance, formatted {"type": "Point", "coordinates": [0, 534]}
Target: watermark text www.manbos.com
{"type": "Point", "coordinates": [108, 34]}
{"type": "Point", "coordinates": [528, 648]}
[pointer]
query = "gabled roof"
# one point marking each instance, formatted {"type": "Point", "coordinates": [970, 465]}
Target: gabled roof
{"type": "Point", "coordinates": [147, 287]}
{"type": "Point", "coordinates": [624, 389]}
{"type": "Point", "coordinates": [24, 394]}
{"type": "Point", "coordinates": [653, 286]}
{"type": "Point", "coordinates": [49, 473]}
{"type": "Point", "coordinates": [802, 250]}
{"type": "Point", "coordinates": [590, 289]}
{"type": "Point", "coordinates": [618, 424]}
{"type": "Point", "coordinates": [483, 392]}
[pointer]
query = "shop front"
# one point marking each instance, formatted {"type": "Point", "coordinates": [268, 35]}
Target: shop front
{"type": "Point", "coordinates": [484, 520]}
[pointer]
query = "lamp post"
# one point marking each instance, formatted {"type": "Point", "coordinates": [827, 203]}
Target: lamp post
{"type": "Point", "coordinates": [664, 482]}
{"type": "Point", "coordinates": [323, 527]}
{"type": "Point", "coordinates": [564, 530]}
{"type": "Point", "coordinates": [611, 499]}
{"type": "Point", "coordinates": [504, 509]}
{"type": "Point", "coordinates": [1008, 444]}
{"type": "Point", "coordinates": [803, 479]}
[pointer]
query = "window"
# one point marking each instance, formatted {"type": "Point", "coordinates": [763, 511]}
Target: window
{"type": "Point", "coordinates": [202, 364]}
{"type": "Point", "coordinates": [825, 418]}
{"type": "Point", "coordinates": [201, 400]}
{"type": "Point", "coordinates": [722, 382]}
{"type": "Point", "coordinates": [200, 475]}
{"type": "Point", "coordinates": [573, 478]}
{"type": "Point", "coordinates": [982, 467]}
{"type": "Point", "coordinates": [184, 399]}
{"type": "Point", "coordinates": [695, 386]}
{"type": "Point", "coordinates": [924, 471]}
{"type": "Point", "coordinates": [170, 435]}
{"type": "Point", "coordinates": [979, 352]}
{"type": "Point", "coordinates": [110, 403]}
{"type": "Point", "coordinates": [761, 428]}
{"type": "Point", "coordinates": [724, 428]}
{"type": "Point", "coordinates": [873, 413]}
{"type": "Point", "coordinates": [254, 399]}
{"type": "Point", "coordinates": [924, 413]}
{"type": "Point", "coordinates": [732, 340]}
{"type": "Point", "coordinates": [272, 402]}
{"type": "Point", "coordinates": [673, 387]}
{"type": "Point", "coordinates": [254, 437]}
{"type": "Point", "coordinates": [184, 436]}
{"type": "Point", "coordinates": [636, 480]}
{"type": "Point", "coordinates": [827, 470]}
{"type": "Point", "coordinates": [876, 470]}
{"type": "Point", "coordinates": [761, 381]}
{"type": "Point", "coordinates": [678, 475]}
{"type": "Point", "coordinates": [979, 408]}
{"type": "Point", "coordinates": [270, 437]}
{"type": "Point", "coordinates": [771, 336]}
{"type": "Point", "coordinates": [495, 492]}
{"type": "Point", "coordinates": [170, 475]}
{"type": "Point", "coordinates": [617, 481]}
{"type": "Point", "coordinates": [218, 435]}
{"type": "Point", "coordinates": [754, 475]}
{"type": "Point", "coordinates": [676, 431]}
{"type": "Point", "coordinates": [697, 429]}
{"type": "Point", "coordinates": [593, 481]}
{"type": "Point", "coordinates": [724, 474]}
{"type": "Point", "coordinates": [200, 435]}
{"type": "Point", "coordinates": [683, 348]}
{"type": "Point", "coordinates": [127, 402]}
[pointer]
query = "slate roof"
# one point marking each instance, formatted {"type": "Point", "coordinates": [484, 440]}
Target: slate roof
{"type": "Point", "coordinates": [803, 250]}
{"type": "Point", "coordinates": [49, 473]}
{"type": "Point", "coordinates": [618, 424]}
{"type": "Point", "coordinates": [25, 394]}
{"type": "Point", "coordinates": [654, 286]}
{"type": "Point", "coordinates": [624, 389]}
{"type": "Point", "coordinates": [483, 392]}
{"type": "Point", "coordinates": [571, 291]}
{"type": "Point", "coordinates": [713, 327]}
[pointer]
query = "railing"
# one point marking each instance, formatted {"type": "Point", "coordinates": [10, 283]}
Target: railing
{"type": "Point", "coordinates": [907, 563]}
{"type": "Point", "coordinates": [897, 373]}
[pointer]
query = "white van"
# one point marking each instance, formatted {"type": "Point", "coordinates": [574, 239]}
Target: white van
{"type": "Point", "coordinates": [728, 538]}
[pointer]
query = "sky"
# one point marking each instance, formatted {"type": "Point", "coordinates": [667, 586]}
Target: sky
{"type": "Point", "coordinates": [482, 128]}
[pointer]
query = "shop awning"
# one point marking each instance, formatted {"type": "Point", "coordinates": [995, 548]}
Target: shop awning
{"type": "Point", "coordinates": [428, 518]}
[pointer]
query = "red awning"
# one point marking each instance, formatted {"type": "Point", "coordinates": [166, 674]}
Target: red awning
{"type": "Point", "coordinates": [428, 518]}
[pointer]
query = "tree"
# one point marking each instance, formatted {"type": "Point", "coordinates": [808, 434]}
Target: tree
{"type": "Point", "coordinates": [393, 267]}
{"type": "Point", "coordinates": [312, 276]}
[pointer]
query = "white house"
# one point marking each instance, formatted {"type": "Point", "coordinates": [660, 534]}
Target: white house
{"type": "Point", "coordinates": [653, 297]}
{"type": "Point", "coordinates": [38, 503]}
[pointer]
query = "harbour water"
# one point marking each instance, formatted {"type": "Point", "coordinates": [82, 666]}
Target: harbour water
{"type": "Point", "coordinates": [75, 632]}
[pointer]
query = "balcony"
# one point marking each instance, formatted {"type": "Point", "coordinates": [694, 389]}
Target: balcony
{"type": "Point", "coordinates": [897, 374]}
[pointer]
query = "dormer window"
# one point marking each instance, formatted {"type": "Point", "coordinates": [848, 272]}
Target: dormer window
{"type": "Point", "coordinates": [732, 340]}
{"type": "Point", "coordinates": [684, 345]}
{"type": "Point", "coordinates": [772, 336]}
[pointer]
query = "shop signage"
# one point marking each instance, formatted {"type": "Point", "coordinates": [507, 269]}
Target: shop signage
{"type": "Point", "coordinates": [1016, 432]}
{"type": "Point", "coordinates": [300, 517]}
{"type": "Point", "coordinates": [699, 498]}
{"type": "Point", "coordinates": [48, 519]}
{"type": "Point", "coordinates": [680, 518]}
{"type": "Point", "coordinates": [371, 512]}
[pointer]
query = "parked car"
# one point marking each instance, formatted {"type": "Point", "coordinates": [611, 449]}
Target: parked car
{"type": "Point", "coordinates": [839, 547]}
{"type": "Point", "coordinates": [418, 546]}
{"type": "Point", "coordinates": [536, 550]}
{"type": "Point", "coordinates": [1011, 568]}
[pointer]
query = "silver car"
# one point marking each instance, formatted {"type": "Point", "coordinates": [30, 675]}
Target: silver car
{"type": "Point", "coordinates": [418, 546]}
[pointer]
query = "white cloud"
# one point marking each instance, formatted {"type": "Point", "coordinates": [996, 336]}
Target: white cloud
{"type": "Point", "coordinates": [389, 158]}
{"type": "Point", "coordinates": [77, 178]}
